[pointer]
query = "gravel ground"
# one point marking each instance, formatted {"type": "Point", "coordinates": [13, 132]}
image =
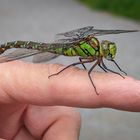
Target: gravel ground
{"type": "Point", "coordinates": [40, 20]}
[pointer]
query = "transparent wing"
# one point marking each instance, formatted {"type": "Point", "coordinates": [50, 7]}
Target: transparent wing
{"type": "Point", "coordinates": [69, 40]}
{"type": "Point", "coordinates": [99, 32]}
{"type": "Point", "coordinates": [17, 54]}
{"type": "Point", "coordinates": [77, 33]}
{"type": "Point", "coordinates": [85, 31]}
{"type": "Point", "coordinates": [44, 56]}
{"type": "Point", "coordinates": [23, 53]}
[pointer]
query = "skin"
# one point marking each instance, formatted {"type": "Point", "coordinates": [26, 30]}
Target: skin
{"type": "Point", "coordinates": [33, 107]}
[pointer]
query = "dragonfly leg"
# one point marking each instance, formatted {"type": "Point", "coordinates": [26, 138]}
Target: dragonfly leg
{"type": "Point", "coordinates": [105, 67]}
{"type": "Point", "coordinates": [74, 64]}
{"type": "Point", "coordinates": [89, 72]}
{"type": "Point", "coordinates": [102, 68]}
{"type": "Point", "coordinates": [119, 67]}
{"type": "Point", "coordinates": [80, 58]}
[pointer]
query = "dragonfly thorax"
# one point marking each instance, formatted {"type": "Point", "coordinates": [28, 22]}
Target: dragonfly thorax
{"type": "Point", "coordinates": [108, 49]}
{"type": "Point", "coordinates": [93, 41]}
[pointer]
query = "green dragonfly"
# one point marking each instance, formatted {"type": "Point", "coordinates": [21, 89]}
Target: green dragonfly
{"type": "Point", "coordinates": [79, 42]}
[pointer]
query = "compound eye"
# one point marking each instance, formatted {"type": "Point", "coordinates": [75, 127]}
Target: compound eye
{"type": "Point", "coordinates": [112, 49]}
{"type": "Point", "coordinates": [105, 46]}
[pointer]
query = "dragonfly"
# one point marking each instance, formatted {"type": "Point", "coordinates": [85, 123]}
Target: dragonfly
{"type": "Point", "coordinates": [81, 42]}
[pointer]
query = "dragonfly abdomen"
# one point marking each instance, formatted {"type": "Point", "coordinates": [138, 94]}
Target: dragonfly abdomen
{"type": "Point", "coordinates": [82, 48]}
{"type": "Point", "coordinates": [21, 44]}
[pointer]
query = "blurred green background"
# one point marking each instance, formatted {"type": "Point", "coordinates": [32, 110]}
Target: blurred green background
{"type": "Point", "coordinates": [128, 8]}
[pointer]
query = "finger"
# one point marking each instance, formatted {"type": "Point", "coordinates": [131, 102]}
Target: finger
{"type": "Point", "coordinates": [64, 122]}
{"type": "Point", "coordinates": [29, 83]}
{"type": "Point", "coordinates": [23, 134]}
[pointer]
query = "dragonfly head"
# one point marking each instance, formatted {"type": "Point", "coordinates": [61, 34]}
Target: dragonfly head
{"type": "Point", "coordinates": [108, 49]}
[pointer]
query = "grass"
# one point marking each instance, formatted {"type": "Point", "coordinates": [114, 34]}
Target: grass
{"type": "Point", "coordinates": [128, 8]}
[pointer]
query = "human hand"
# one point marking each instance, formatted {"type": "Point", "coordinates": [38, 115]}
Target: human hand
{"type": "Point", "coordinates": [34, 107]}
